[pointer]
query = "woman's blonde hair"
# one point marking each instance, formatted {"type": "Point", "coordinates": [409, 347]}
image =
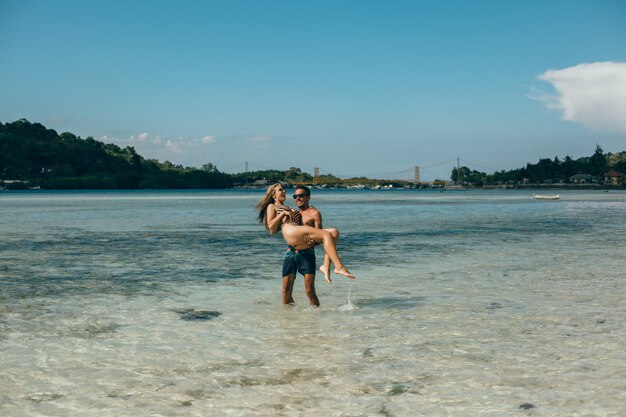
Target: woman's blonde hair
{"type": "Point", "coordinates": [265, 201]}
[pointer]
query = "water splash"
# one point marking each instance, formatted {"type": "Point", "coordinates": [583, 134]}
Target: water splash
{"type": "Point", "coordinates": [348, 306]}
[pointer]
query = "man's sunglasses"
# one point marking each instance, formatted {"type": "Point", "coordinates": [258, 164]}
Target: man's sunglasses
{"type": "Point", "coordinates": [296, 196]}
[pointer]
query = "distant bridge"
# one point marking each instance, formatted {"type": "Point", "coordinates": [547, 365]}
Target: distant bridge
{"type": "Point", "coordinates": [409, 175]}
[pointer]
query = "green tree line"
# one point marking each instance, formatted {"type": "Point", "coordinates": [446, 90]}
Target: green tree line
{"type": "Point", "coordinates": [548, 170]}
{"type": "Point", "coordinates": [40, 157]}
{"type": "Point", "coordinates": [35, 156]}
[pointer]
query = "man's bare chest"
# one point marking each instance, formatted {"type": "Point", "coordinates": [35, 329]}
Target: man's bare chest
{"type": "Point", "coordinates": [308, 218]}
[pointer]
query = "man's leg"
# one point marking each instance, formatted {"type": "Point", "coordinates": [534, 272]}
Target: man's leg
{"type": "Point", "coordinates": [290, 267]}
{"type": "Point", "coordinates": [309, 286]}
{"type": "Point", "coordinates": [288, 281]}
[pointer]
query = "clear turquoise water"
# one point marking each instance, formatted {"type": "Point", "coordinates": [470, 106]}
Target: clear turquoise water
{"type": "Point", "coordinates": [466, 303]}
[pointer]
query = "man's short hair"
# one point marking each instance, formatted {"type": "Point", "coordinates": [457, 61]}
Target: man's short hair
{"type": "Point", "coordinates": [306, 189]}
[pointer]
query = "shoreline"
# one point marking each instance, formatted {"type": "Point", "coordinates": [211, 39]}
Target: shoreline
{"type": "Point", "coordinates": [543, 187]}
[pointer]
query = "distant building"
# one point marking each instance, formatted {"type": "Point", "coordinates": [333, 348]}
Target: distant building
{"type": "Point", "coordinates": [581, 178]}
{"type": "Point", "coordinates": [261, 183]}
{"type": "Point", "coordinates": [614, 177]}
{"type": "Point", "coordinates": [13, 184]}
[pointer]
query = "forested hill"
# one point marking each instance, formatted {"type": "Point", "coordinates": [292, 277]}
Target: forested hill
{"type": "Point", "coordinates": [33, 156]}
{"type": "Point", "coordinates": [30, 152]}
{"type": "Point", "coordinates": [593, 168]}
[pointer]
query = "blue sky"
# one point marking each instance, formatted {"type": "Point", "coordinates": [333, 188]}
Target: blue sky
{"type": "Point", "coordinates": [355, 88]}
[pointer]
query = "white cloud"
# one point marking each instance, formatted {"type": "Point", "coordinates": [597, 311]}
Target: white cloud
{"type": "Point", "coordinates": [177, 149]}
{"type": "Point", "coordinates": [173, 146]}
{"type": "Point", "coordinates": [142, 137]}
{"type": "Point", "coordinates": [593, 95]}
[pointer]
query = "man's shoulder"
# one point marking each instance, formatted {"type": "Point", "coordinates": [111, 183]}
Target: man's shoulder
{"type": "Point", "coordinates": [313, 211]}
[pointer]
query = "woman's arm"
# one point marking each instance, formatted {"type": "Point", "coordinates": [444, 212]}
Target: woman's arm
{"type": "Point", "coordinates": [274, 218]}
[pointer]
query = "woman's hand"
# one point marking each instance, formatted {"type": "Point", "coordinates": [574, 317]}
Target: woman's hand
{"type": "Point", "coordinates": [293, 215]}
{"type": "Point", "coordinates": [296, 216]}
{"type": "Point", "coordinates": [285, 212]}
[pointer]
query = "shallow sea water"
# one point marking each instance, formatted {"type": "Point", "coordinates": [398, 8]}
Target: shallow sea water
{"type": "Point", "coordinates": [470, 303]}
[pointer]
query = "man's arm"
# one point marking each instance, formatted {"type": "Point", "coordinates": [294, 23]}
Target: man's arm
{"type": "Point", "coordinates": [318, 219]}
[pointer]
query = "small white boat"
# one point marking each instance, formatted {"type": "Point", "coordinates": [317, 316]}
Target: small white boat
{"type": "Point", "coordinates": [546, 197]}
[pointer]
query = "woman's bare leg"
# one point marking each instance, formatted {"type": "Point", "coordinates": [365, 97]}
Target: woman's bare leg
{"type": "Point", "coordinates": [325, 268]}
{"type": "Point", "coordinates": [300, 237]}
{"type": "Point", "coordinates": [330, 248]}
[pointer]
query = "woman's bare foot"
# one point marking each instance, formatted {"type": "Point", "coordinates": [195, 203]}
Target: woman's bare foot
{"type": "Point", "coordinates": [344, 271]}
{"type": "Point", "coordinates": [326, 271]}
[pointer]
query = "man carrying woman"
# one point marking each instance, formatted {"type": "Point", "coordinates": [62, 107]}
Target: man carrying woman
{"type": "Point", "coordinates": [302, 231]}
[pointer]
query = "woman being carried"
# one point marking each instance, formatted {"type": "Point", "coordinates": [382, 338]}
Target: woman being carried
{"type": "Point", "coordinates": [275, 215]}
